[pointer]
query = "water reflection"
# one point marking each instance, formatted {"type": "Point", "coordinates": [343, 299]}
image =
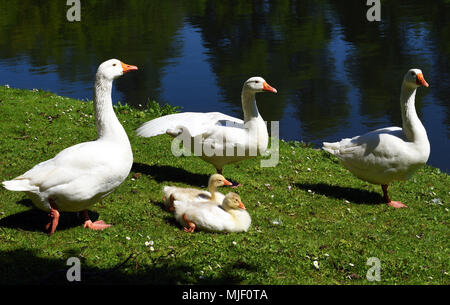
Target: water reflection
{"type": "Point", "coordinates": [337, 74]}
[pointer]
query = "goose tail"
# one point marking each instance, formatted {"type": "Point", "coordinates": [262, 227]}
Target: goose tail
{"type": "Point", "coordinates": [332, 148]}
{"type": "Point", "coordinates": [19, 185]}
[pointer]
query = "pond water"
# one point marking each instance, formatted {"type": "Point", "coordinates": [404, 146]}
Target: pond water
{"type": "Point", "coordinates": [337, 74]}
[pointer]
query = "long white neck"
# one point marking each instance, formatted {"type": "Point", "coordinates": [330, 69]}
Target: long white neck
{"type": "Point", "coordinates": [412, 126]}
{"type": "Point", "coordinates": [254, 123]}
{"type": "Point", "coordinates": [249, 105]}
{"type": "Point", "coordinates": [108, 126]}
{"type": "Point", "coordinates": [212, 189]}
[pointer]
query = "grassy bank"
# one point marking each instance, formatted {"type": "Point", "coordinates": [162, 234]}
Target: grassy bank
{"type": "Point", "coordinates": [306, 209]}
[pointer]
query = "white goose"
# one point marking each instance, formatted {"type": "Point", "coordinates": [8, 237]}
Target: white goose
{"type": "Point", "coordinates": [172, 193]}
{"type": "Point", "coordinates": [391, 153]}
{"type": "Point", "coordinates": [222, 137]}
{"type": "Point", "coordinates": [83, 174]}
{"type": "Point", "coordinates": [228, 217]}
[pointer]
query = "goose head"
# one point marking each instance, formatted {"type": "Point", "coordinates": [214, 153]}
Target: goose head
{"type": "Point", "coordinates": [258, 84]}
{"type": "Point", "coordinates": [232, 201]}
{"type": "Point", "coordinates": [414, 78]}
{"type": "Point", "coordinates": [113, 68]}
{"type": "Point", "coordinates": [218, 180]}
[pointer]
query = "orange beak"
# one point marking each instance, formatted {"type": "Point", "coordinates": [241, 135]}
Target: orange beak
{"type": "Point", "coordinates": [421, 81]}
{"type": "Point", "coordinates": [241, 205]}
{"type": "Point", "coordinates": [267, 87]}
{"type": "Point", "coordinates": [127, 68]}
{"type": "Point", "coordinates": [226, 182]}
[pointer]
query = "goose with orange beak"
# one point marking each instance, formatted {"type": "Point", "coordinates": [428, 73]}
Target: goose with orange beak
{"type": "Point", "coordinates": [392, 153]}
{"type": "Point", "coordinates": [83, 174]}
{"type": "Point", "coordinates": [217, 138]}
{"type": "Point", "coordinates": [172, 193]}
{"type": "Point", "coordinates": [230, 216]}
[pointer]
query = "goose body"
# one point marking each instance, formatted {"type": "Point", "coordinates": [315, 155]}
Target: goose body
{"type": "Point", "coordinates": [75, 178]}
{"type": "Point", "coordinates": [388, 154]}
{"type": "Point", "coordinates": [81, 175]}
{"type": "Point", "coordinates": [172, 193]}
{"type": "Point", "coordinates": [231, 216]}
{"type": "Point", "coordinates": [215, 137]}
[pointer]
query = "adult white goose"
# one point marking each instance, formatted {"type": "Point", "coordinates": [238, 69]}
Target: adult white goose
{"type": "Point", "coordinates": [218, 138]}
{"type": "Point", "coordinates": [391, 153]}
{"type": "Point", "coordinates": [172, 193]}
{"type": "Point", "coordinates": [228, 217]}
{"type": "Point", "coordinates": [83, 174]}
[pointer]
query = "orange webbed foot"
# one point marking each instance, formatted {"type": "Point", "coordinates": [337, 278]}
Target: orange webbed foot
{"type": "Point", "coordinates": [98, 225]}
{"type": "Point", "coordinates": [189, 230]}
{"type": "Point", "coordinates": [190, 224]}
{"type": "Point", "coordinates": [396, 204]}
{"type": "Point", "coordinates": [235, 185]}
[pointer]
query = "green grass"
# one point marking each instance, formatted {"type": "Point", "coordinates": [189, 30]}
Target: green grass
{"type": "Point", "coordinates": [307, 208]}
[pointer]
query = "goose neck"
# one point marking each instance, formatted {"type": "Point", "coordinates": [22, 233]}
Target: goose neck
{"type": "Point", "coordinates": [108, 126]}
{"type": "Point", "coordinates": [249, 106]}
{"type": "Point", "coordinates": [412, 126]}
{"type": "Point", "coordinates": [212, 189]}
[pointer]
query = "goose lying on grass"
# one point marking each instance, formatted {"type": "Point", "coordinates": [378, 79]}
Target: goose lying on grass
{"type": "Point", "coordinates": [172, 193]}
{"type": "Point", "coordinates": [390, 153]}
{"type": "Point", "coordinates": [83, 174]}
{"type": "Point", "coordinates": [220, 139]}
{"type": "Point", "coordinates": [228, 217]}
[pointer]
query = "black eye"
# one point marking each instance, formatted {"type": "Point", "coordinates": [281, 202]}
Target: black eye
{"type": "Point", "coordinates": [114, 65]}
{"type": "Point", "coordinates": [257, 81]}
{"type": "Point", "coordinates": [412, 73]}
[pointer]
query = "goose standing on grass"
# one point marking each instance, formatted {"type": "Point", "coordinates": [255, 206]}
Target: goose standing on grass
{"type": "Point", "coordinates": [226, 136]}
{"type": "Point", "coordinates": [172, 193]}
{"type": "Point", "coordinates": [83, 174]}
{"type": "Point", "coordinates": [391, 153]}
{"type": "Point", "coordinates": [230, 216]}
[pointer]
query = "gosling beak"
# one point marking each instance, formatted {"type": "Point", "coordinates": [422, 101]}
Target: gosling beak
{"type": "Point", "coordinates": [267, 87]}
{"type": "Point", "coordinates": [420, 80]}
{"type": "Point", "coordinates": [226, 182]}
{"type": "Point", "coordinates": [241, 205]}
{"type": "Point", "coordinates": [127, 68]}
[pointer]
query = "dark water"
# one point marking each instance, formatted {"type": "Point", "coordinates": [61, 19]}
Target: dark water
{"type": "Point", "coordinates": [337, 74]}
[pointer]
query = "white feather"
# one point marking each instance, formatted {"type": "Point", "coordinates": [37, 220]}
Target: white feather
{"type": "Point", "coordinates": [83, 174]}
{"type": "Point", "coordinates": [210, 217]}
{"type": "Point", "coordinates": [229, 139]}
{"type": "Point", "coordinates": [391, 153]}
